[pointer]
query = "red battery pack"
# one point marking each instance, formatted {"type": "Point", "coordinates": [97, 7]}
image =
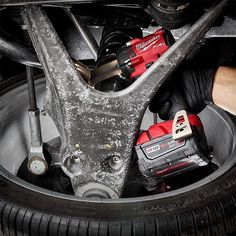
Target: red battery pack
{"type": "Point", "coordinates": [159, 155]}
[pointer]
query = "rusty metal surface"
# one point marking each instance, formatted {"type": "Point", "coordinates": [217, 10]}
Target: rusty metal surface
{"type": "Point", "coordinates": [96, 126]}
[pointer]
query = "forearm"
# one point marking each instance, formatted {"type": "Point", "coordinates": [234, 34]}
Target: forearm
{"type": "Point", "coordinates": [224, 89]}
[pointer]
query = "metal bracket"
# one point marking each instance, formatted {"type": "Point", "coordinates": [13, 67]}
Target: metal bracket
{"type": "Point", "coordinates": [36, 161]}
{"type": "Point", "coordinates": [95, 126]}
{"type": "Point", "coordinates": [181, 128]}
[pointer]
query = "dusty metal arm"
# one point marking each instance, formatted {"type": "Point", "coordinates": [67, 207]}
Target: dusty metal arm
{"type": "Point", "coordinates": [92, 126]}
{"type": "Point", "coordinates": [226, 30]}
{"type": "Point", "coordinates": [98, 129]}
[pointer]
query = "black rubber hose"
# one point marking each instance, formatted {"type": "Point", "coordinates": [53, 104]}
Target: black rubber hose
{"type": "Point", "coordinates": [18, 52]}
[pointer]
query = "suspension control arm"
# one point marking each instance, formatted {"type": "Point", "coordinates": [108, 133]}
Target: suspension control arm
{"type": "Point", "coordinates": [17, 52]}
{"type": "Point", "coordinates": [97, 129]}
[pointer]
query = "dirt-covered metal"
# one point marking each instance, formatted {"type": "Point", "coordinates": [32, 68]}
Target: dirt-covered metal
{"type": "Point", "coordinates": [95, 126]}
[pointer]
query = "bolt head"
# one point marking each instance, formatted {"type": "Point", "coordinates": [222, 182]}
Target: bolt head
{"type": "Point", "coordinates": [116, 158]}
{"type": "Point", "coordinates": [115, 162]}
{"type": "Point", "coordinates": [37, 166]}
{"type": "Point", "coordinates": [75, 158]}
{"type": "Point", "coordinates": [44, 113]}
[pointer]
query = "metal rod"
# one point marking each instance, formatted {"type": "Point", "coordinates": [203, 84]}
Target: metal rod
{"type": "Point", "coordinates": [37, 164]}
{"type": "Point", "coordinates": [31, 89]}
{"type": "Point", "coordinates": [85, 33]}
{"type": "Point", "coordinates": [46, 2]}
{"type": "Point", "coordinates": [17, 52]}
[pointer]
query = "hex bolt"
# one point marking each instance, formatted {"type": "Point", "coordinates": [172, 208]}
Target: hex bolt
{"type": "Point", "coordinates": [75, 158]}
{"type": "Point", "coordinates": [210, 156]}
{"type": "Point", "coordinates": [44, 113]}
{"type": "Point", "coordinates": [37, 166]}
{"type": "Point", "coordinates": [168, 161]}
{"type": "Point", "coordinates": [115, 162]}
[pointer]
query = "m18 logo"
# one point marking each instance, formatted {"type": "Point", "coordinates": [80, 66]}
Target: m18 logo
{"type": "Point", "coordinates": [152, 149]}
